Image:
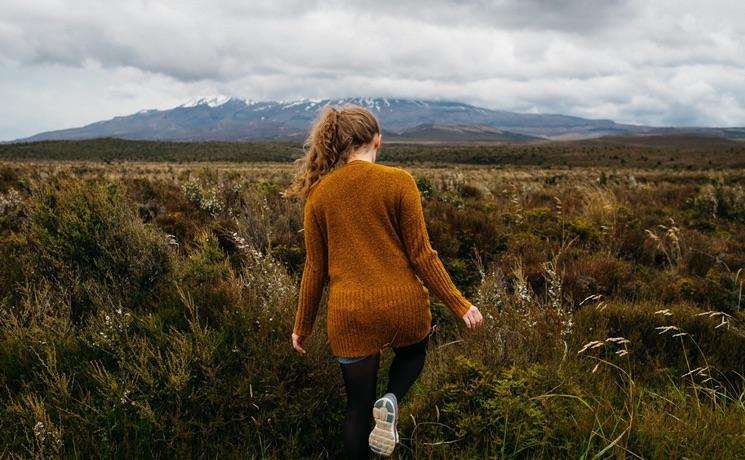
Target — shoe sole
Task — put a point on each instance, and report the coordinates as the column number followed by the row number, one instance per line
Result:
column 383, row 437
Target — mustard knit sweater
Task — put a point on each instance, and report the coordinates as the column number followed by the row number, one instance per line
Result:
column 365, row 234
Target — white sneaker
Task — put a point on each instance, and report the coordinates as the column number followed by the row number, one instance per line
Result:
column 384, row 437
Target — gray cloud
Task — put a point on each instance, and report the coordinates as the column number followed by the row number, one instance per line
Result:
column 663, row 62
column 562, row 15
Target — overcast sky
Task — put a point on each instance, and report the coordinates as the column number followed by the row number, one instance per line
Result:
column 66, row 63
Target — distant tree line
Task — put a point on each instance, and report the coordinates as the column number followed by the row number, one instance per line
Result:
column 682, row 153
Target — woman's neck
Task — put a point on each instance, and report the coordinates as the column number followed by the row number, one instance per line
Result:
column 366, row 155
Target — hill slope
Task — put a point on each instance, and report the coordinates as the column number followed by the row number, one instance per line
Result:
column 235, row 119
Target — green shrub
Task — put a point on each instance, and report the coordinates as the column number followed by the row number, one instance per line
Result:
column 702, row 344
column 478, row 412
column 211, row 371
column 424, row 185
column 180, row 341
column 584, row 230
column 88, row 241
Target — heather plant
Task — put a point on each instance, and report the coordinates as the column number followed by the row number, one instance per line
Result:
column 207, row 200
column 118, row 383
column 9, row 201
column 134, row 322
column 425, row 186
column 504, row 413
column 86, row 240
column 706, row 201
column 717, row 200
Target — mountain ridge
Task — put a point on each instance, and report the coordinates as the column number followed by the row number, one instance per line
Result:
column 220, row 117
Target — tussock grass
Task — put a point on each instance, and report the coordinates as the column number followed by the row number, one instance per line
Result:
column 146, row 309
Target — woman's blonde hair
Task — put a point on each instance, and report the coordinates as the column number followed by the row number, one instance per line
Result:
column 336, row 132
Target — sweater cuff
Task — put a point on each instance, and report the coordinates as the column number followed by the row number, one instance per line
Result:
column 458, row 305
column 303, row 332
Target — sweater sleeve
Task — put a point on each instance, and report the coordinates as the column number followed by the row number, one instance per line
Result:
column 424, row 258
column 315, row 272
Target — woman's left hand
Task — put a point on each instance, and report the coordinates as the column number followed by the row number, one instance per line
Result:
column 297, row 342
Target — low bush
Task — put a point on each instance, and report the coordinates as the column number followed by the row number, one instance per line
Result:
column 480, row 412
column 135, row 322
column 86, row 240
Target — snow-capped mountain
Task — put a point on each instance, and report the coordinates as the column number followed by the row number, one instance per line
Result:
column 220, row 117
column 212, row 101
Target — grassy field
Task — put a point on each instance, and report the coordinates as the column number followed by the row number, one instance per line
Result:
column 671, row 152
column 146, row 309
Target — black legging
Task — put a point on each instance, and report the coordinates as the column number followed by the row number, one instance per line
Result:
column 360, row 380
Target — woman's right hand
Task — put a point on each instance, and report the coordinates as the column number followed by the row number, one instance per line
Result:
column 473, row 317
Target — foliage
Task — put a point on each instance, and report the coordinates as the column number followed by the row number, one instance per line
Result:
column 137, row 319
column 677, row 152
column 88, row 242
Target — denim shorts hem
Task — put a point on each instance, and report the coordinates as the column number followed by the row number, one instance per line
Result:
column 344, row 360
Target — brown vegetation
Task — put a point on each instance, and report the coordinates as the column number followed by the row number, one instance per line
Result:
column 146, row 310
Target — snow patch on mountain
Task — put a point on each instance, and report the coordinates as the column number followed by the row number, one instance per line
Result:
column 211, row 101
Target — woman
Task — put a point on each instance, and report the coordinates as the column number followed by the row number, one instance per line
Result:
column 365, row 234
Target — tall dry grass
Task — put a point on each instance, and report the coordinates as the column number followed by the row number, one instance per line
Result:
column 145, row 311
